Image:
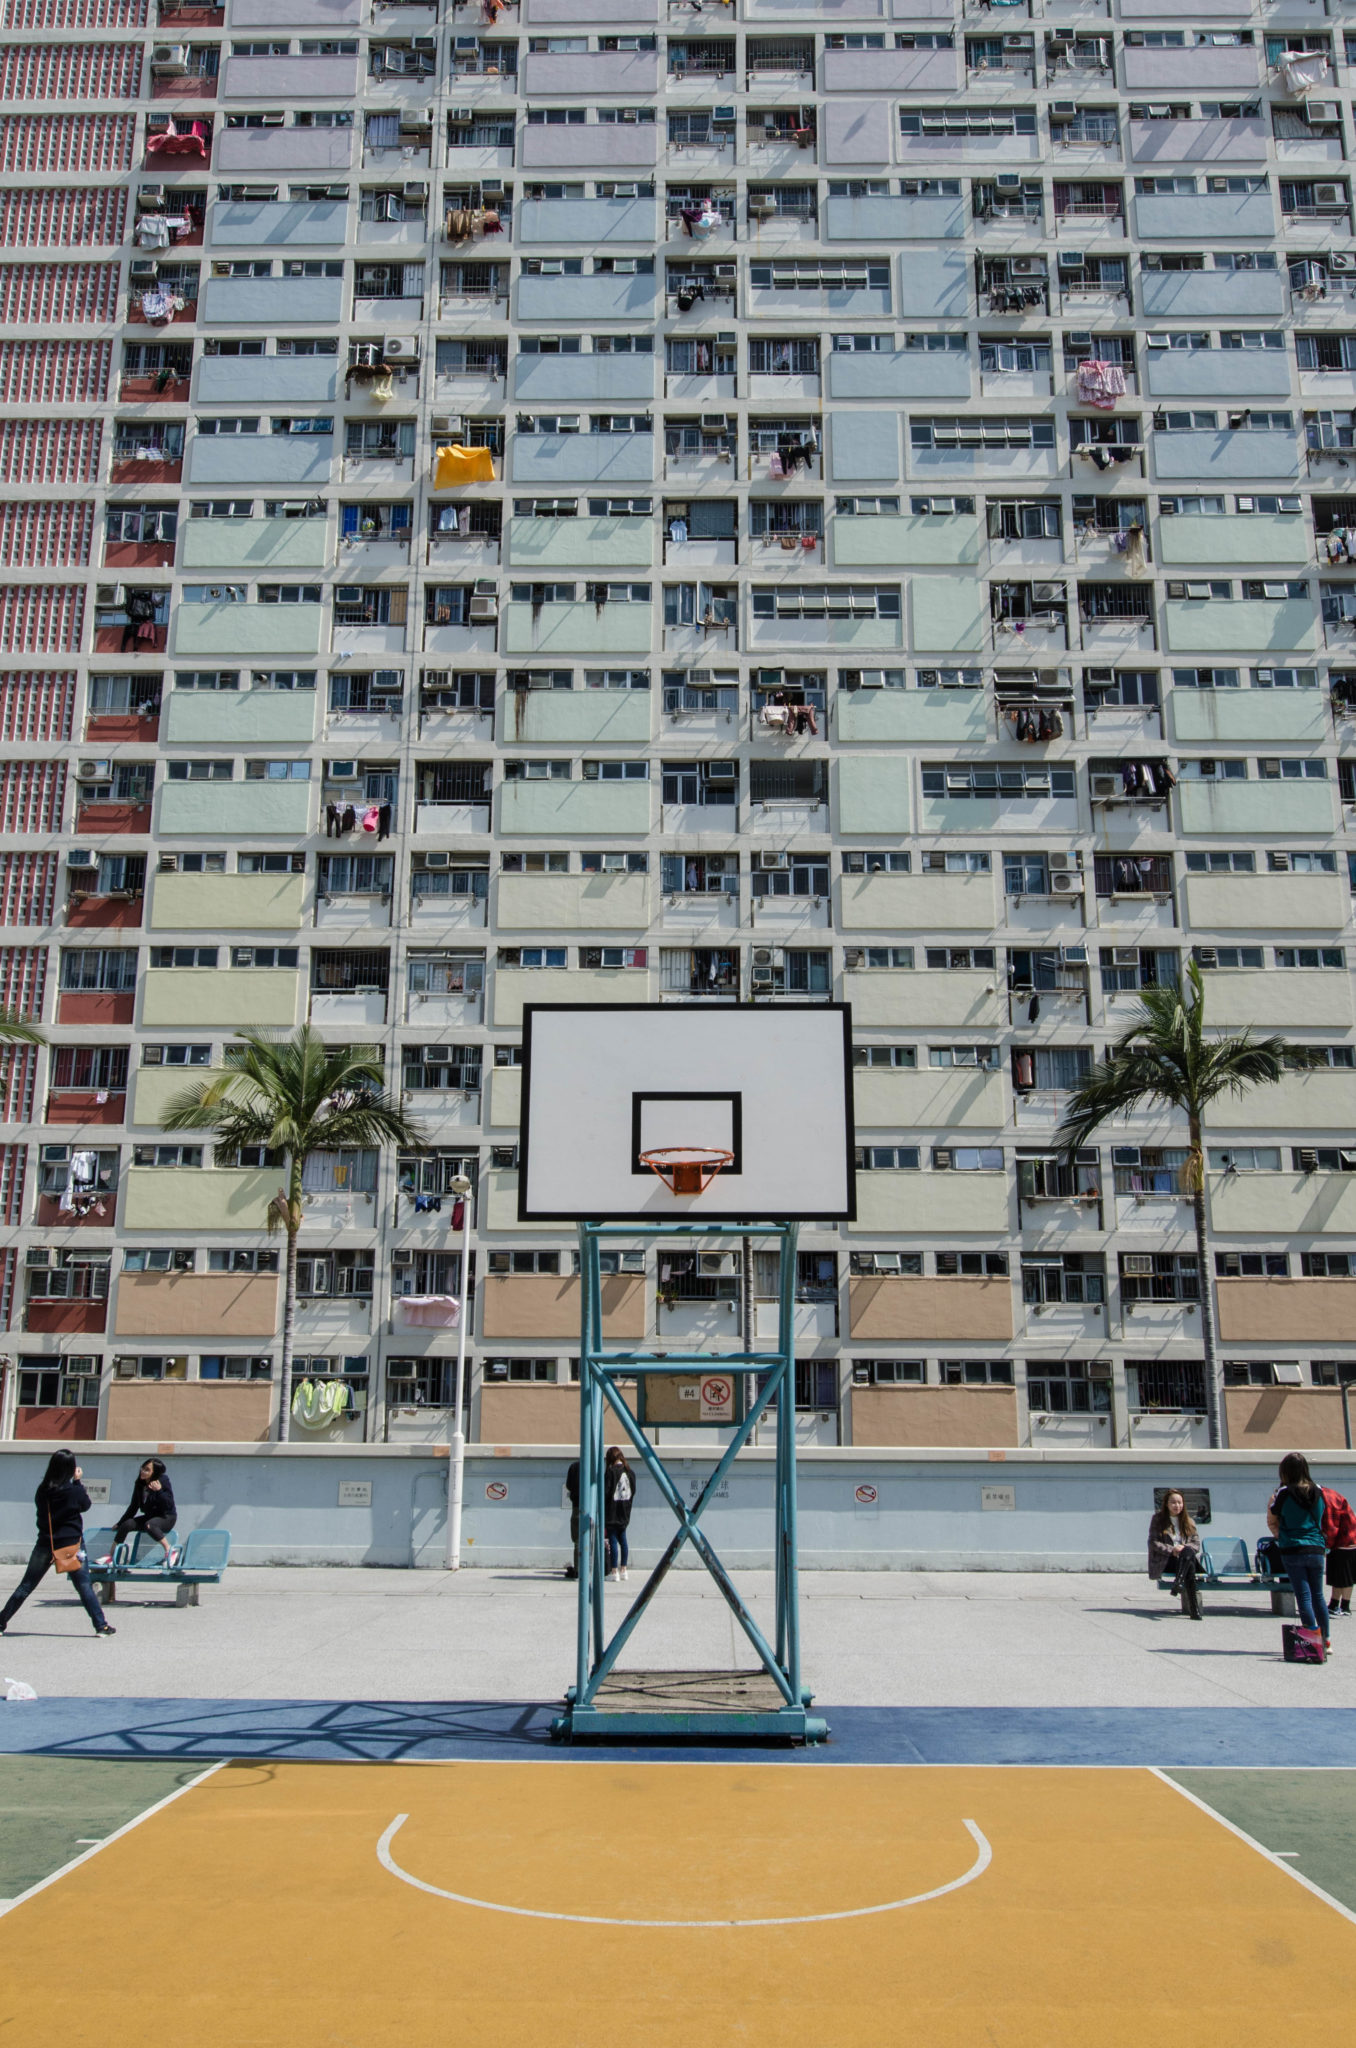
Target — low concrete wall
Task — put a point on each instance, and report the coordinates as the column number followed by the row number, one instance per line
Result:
column 860, row 1510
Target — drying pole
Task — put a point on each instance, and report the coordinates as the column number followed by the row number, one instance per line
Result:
column 456, row 1466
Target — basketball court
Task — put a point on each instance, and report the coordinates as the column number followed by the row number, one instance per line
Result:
column 535, row 1902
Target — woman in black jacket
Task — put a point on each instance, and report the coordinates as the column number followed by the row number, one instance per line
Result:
column 619, row 1494
column 151, row 1509
column 60, row 1501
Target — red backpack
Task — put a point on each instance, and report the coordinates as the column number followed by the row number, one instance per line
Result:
column 1339, row 1521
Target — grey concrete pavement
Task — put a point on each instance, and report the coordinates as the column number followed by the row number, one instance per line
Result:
column 870, row 1639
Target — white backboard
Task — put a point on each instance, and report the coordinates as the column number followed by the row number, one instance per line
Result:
column 771, row 1083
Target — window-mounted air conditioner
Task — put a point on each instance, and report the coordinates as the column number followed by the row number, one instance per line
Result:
column 712, row 1265
column 82, row 857
column 1329, row 195
column 1105, row 785
column 761, row 207
column 1062, row 111
column 1308, row 1160
column 401, row 348
column 437, row 860
column 341, row 771
column 483, row 610
column 1176, row 589
column 713, row 422
column 1065, row 884
column 94, row 771
column 170, row 60
column 1063, row 863
column 1008, row 181
column 1340, row 264
column 720, row 771
column 151, row 197
column 402, row 1256
column 421, row 118
column 447, row 423
column 1047, row 593
column 765, row 860
column 144, row 270
column 942, row 1158
column 1071, row 259
column 485, row 586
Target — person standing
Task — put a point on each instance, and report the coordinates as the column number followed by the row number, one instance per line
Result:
column 1295, row 1519
column 1339, row 1530
column 619, row 1493
column 1174, row 1546
column 572, row 1494
column 151, row 1510
column 60, row 1502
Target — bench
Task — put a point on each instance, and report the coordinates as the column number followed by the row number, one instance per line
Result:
column 1226, row 1567
column 203, row 1557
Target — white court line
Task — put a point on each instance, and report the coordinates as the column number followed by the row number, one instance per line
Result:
column 8, row 1905
column 983, row 1858
column 1273, row 1857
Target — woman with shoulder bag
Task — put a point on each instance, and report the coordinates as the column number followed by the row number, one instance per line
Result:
column 1175, row 1547
column 60, row 1502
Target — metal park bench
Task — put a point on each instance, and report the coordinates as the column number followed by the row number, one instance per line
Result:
column 203, row 1558
column 1226, row 1567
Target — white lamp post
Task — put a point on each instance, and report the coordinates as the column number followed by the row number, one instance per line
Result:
column 456, row 1467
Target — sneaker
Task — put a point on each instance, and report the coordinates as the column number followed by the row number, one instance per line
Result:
column 172, row 1557
column 107, row 1630
column 612, row 1576
column 104, row 1560
column 624, row 1573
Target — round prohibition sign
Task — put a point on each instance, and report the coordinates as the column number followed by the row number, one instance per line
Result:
column 866, row 1495
column 497, row 1489
column 717, row 1393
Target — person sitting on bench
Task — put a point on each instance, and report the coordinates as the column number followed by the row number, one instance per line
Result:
column 151, row 1509
column 1175, row 1547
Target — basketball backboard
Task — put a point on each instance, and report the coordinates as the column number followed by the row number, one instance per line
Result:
column 769, row 1084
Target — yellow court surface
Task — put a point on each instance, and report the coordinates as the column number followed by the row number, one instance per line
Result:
column 266, row 1908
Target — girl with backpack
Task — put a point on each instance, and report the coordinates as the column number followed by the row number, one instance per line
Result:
column 619, row 1493
column 1295, row 1519
column 1339, row 1528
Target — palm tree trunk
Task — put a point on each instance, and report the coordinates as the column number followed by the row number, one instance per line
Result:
column 289, row 1304
column 1212, row 1394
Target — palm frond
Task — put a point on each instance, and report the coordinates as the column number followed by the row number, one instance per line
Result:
column 295, row 1095
column 16, row 1030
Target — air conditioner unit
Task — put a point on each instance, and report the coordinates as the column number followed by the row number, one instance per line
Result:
column 727, row 270
column 761, row 207
column 1008, row 181
column 1024, row 266
column 1071, row 259
column 942, row 1158
column 1322, row 110
column 1329, row 195
column 483, row 610
column 421, row 118
column 1063, row 863
column 485, row 586
column 1176, row 589
column 94, row 771
column 1280, row 862
column 722, row 117
column 402, row 1256
column 763, row 956
column 170, row 60
column 1022, row 43
column 447, row 423
column 720, row 771
column 401, row 348
column 426, row 42
column 713, row 1264
column 852, row 956
column 714, row 422
column 439, row 1055
column 1106, row 785
column 765, row 860
column 1066, row 885
column 151, row 196
column 1340, row 264
column 82, row 857
column 143, row 270
column 437, row 860
column 1308, row 1160
column 1047, row 593
column 366, row 355
column 341, row 771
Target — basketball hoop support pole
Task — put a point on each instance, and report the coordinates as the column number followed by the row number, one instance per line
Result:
column 685, row 1705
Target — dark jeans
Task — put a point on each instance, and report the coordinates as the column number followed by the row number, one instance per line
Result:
column 1305, row 1568
column 157, row 1527
column 37, row 1568
column 1185, row 1568
column 618, row 1553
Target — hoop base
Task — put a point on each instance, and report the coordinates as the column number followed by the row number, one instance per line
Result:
column 687, row 1169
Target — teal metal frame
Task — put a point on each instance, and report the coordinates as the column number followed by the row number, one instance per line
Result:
column 600, row 1370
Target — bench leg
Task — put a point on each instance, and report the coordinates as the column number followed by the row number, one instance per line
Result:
column 183, row 1596
column 107, row 1591
column 1283, row 1600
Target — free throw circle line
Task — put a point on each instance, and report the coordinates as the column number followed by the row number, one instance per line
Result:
column 983, row 1858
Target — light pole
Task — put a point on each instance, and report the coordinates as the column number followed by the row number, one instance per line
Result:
column 456, row 1465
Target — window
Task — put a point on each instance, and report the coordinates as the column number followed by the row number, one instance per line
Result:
column 962, row 1056
column 523, row 1262
column 1245, row 1159
column 967, row 1158
column 888, row 1372
column 971, row 1265
column 532, row 956
column 102, row 1067
column 1210, row 957
column 184, row 956
column 1159, row 1276
column 242, row 1261
column 265, row 956
column 976, row 1372
column 167, row 1155
column 215, row 1365
column 199, row 771
column 335, row 1273
column 870, row 959
column 884, row 1056
column 887, row 1159
column 1252, row 1265
column 516, row 1370
column 277, row 771
column 105, row 969
column 971, row 779
column 1310, row 956
column 890, row 1264
column 877, row 863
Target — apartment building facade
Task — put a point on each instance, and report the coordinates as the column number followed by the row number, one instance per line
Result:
column 771, row 502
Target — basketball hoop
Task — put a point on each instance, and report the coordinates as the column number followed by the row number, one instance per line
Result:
column 687, row 1169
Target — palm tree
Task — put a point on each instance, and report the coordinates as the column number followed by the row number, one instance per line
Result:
column 297, row 1096
column 1165, row 1057
column 16, row 1030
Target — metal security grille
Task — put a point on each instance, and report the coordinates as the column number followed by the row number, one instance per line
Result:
column 18, row 1075
column 54, row 218
column 23, row 979
column 75, row 14
column 54, row 372
column 31, row 796
column 36, row 707
column 70, row 71
column 46, row 535
column 67, row 142
column 50, row 294
column 28, row 888
column 42, row 618
column 13, row 1172
column 49, row 451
